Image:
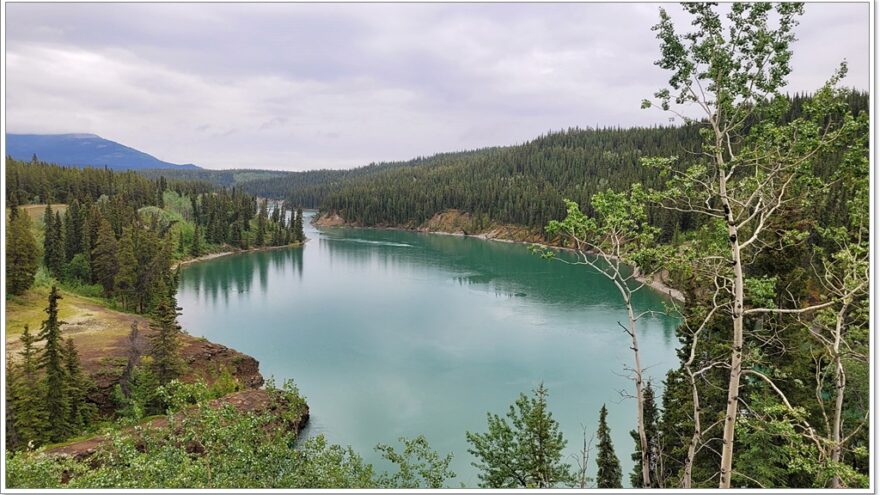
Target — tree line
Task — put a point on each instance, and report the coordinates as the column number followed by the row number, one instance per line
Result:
column 119, row 234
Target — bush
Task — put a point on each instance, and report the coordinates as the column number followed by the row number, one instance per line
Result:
column 78, row 270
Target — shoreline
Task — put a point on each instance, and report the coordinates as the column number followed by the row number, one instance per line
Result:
column 656, row 285
column 212, row 256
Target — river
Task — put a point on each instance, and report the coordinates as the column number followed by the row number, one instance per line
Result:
column 392, row 333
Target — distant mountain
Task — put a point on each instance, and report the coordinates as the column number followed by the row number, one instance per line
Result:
column 82, row 150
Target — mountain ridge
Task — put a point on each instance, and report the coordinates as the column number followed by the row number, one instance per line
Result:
column 84, row 150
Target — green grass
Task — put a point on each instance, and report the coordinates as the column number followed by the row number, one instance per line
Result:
column 30, row 309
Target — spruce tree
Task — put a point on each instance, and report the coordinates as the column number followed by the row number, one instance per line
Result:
column 126, row 281
column 260, row 238
column 55, row 253
column 48, row 233
column 298, row 226
column 652, row 421
column 165, row 343
column 73, row 225
column 53, row 242
column 181, row 244
column 524, row 453
column 21, row 253
column 105, row 261
column 195, row 249
column 52, row 361
column 608, row 475
column 80, row 411
column 13, row 438
column 30, row 418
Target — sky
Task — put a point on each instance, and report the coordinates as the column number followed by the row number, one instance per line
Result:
column 305, row 86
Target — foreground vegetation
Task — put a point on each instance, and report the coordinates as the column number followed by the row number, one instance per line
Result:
column 207, row 447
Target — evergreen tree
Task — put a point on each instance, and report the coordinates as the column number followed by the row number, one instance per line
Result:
column 73, row 226
column 53, row 243
column 13, row 438
column 126, row 281
column 165, row 343
column 105, row 263
column 195, row 249
column 524, row 453
column 48, row 232
column 26, row 396
column 260, row 238
column 52, row 361
column 57, row 260
column 80, row 410
column 608, row 475
column 181, row 244
column 21, row 253
column 298, row 226
column 652, row 420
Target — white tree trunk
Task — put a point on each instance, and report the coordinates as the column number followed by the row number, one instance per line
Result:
column 640, row 397
column 737, row 341
column 840, row 388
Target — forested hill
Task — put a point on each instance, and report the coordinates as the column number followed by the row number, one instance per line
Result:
column 522, row 185
column 312, row 187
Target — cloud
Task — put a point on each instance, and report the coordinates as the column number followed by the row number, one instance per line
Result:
column 301, row 86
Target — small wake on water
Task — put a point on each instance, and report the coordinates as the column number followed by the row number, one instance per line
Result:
column 365, row 241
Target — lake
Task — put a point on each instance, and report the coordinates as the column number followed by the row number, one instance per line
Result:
column 392, row 333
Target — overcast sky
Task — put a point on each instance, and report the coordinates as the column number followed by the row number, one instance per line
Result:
column 297, row 86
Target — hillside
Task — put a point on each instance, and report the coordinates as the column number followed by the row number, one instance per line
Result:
column 80, row 150
column 521, row 185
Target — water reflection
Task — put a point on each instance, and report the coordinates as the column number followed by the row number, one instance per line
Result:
column 503, row 269
column 234, row 274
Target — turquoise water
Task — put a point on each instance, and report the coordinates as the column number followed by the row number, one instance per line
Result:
column 391, row 334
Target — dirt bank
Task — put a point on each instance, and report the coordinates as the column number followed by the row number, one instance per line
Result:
column 101, row 338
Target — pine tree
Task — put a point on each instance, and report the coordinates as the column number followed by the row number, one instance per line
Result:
column 105, row 261
column 652, row 420
column 21, row 253
column 608, row 475
column 52, row 361
column 165, row 344
column 30, row 418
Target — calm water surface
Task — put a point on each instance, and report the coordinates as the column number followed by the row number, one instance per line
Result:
column 392, row 334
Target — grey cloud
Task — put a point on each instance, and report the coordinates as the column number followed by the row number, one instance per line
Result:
column 338, row 85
